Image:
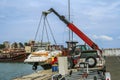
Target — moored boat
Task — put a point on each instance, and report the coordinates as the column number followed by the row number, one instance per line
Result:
column 13, row 56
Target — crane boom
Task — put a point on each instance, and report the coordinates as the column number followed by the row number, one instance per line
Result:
column 77, row 31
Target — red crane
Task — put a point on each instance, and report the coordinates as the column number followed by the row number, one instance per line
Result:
column 77, row 31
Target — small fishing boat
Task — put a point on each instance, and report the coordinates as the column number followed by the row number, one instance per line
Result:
column 13, row 56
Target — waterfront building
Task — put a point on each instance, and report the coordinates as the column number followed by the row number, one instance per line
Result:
column 28, row 49
column 7, row 44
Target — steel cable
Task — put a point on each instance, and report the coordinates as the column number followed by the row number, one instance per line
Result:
column 51, row 31
column 38, row 27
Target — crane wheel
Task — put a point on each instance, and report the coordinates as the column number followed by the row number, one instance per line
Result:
column 91, row 61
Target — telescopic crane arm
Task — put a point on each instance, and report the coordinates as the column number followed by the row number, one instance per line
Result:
column 74, row 29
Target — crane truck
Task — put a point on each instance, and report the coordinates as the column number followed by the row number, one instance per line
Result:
column 94, row 56
column 77, row 31
column 77, row 54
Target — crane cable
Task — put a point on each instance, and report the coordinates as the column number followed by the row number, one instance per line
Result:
column 45, row 23
column 51, row 31
column 42, row 34
column 44, row 27
column 38, row 28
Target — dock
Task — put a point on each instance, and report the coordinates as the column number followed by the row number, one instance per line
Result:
column 39, row 75
column 112, row 65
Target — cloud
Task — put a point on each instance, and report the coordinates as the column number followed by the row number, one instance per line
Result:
column 103, row 37
column 103, row 10
column 18, row 17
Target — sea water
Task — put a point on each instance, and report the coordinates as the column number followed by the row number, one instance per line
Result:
column 9, row 71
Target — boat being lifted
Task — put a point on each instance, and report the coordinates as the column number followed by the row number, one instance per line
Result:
column 43, row 56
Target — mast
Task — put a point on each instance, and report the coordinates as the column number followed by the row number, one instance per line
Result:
column 69, row 18
column 70, row 43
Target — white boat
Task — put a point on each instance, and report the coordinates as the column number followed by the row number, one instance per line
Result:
column 42, row 55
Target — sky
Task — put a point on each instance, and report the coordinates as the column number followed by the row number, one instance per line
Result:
column 98, row 19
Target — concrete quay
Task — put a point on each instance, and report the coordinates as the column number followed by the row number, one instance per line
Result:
column 39, row 75
column 112, row 65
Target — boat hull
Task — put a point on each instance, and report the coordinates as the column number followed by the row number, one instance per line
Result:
column 16, row 58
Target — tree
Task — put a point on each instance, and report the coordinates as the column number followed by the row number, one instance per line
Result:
column 2, row 46
column 15, row 45
column 21, row 45
column 26, row 44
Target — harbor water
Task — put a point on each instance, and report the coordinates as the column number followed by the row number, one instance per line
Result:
column 9, row 71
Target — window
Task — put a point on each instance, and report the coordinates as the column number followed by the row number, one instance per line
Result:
column 85, row 55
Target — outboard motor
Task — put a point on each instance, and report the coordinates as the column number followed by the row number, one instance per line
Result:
column 34, row 67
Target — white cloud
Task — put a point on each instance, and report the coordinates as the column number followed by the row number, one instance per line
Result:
column 103, row 10
column 91, row 16
column 103, row 37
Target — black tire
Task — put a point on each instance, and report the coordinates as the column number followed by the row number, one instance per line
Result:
column 93, row 64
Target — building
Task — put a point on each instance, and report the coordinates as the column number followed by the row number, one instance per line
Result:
column 28, row 49
column 39, row 44
column 111, row 52
column 32, row 48
column 7, row 44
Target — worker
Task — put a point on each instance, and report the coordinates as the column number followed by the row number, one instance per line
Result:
column 54, row 64
column 54, row 60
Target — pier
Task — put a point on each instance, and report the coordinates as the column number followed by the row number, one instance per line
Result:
column 112, row 65
column 40, row 75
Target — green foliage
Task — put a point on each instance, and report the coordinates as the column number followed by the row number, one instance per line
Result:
column 21, row 45
column 25, row 43
column 15, row 45
column 2, row 46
